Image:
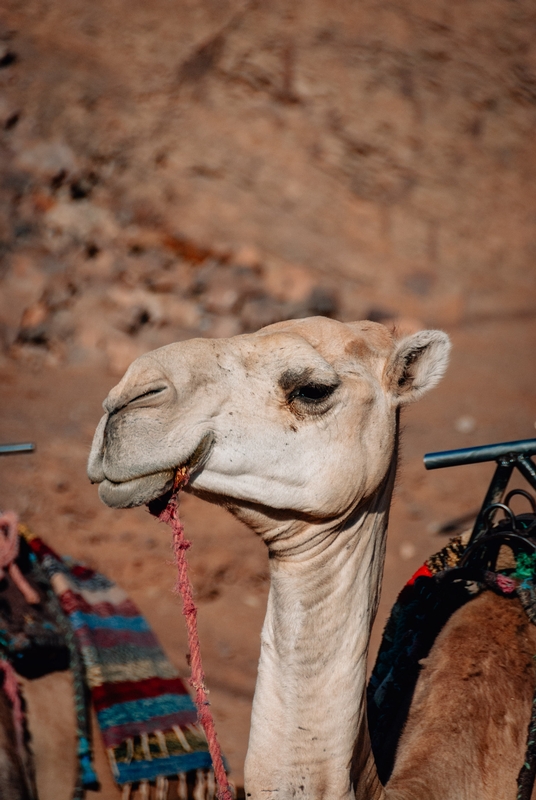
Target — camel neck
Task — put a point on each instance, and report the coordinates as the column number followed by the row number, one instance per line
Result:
column 309, row 735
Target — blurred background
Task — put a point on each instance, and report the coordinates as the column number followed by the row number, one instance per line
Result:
column 197, row 168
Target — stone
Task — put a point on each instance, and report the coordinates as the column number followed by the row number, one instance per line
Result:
column 288, row 282
column 46, row 159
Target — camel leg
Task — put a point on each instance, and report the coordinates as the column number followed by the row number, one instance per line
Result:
column 108, row 789
column 51, row 721
column 16, row 778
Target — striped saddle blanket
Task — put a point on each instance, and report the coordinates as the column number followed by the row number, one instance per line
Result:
column 147, row 719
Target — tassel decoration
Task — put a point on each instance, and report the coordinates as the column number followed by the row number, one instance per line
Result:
column 182, row 787
column 161, row 788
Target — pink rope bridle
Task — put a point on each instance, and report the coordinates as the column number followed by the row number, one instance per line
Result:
column 183, row 587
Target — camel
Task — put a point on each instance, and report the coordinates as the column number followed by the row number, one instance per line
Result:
column 295, row 430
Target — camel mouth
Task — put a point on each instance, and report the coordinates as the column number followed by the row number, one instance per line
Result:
column 145, row 489
column 136, row 492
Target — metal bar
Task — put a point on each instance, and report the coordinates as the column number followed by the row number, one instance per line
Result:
column 475, row 455
column 496, row 489
column 527, row 468
column 14, row 449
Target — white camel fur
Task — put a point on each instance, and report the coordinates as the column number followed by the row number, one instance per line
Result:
column 294, row 429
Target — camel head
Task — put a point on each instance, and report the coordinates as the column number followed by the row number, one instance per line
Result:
column 296, row 420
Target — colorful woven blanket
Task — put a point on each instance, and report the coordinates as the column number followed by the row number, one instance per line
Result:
column 147, row 718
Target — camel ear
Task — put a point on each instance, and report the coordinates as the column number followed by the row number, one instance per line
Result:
column 417, row 364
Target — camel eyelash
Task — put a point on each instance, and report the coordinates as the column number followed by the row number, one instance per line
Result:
column 312, row 393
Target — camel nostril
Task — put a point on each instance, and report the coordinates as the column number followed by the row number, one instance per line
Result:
column 146, row 397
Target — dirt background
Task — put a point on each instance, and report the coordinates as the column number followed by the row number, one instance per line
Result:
column 198, row 168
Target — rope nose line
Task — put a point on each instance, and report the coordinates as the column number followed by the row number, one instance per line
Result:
column 170, row 516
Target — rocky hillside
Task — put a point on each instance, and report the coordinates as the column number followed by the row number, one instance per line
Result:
column 186, row 168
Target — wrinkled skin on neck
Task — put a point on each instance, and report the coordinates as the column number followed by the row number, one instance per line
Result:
column 294, row 430
column 312, row 671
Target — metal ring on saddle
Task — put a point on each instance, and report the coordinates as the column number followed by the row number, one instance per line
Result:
column 523, row 493
column 490, row 510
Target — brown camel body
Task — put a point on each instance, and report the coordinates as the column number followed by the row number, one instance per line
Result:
column 466, row 734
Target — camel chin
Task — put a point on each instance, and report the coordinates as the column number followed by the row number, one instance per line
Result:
column 136, row 492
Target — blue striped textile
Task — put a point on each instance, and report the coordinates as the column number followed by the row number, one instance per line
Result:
column 79, row 619
column 170, row 766
column 143, row 709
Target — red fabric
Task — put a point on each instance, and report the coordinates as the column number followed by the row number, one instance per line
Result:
column 423, row 571
column 82, row 572
column 132, row 690
column 114, row 638
column 40, row 548
column 72, row 601
column 115, row 736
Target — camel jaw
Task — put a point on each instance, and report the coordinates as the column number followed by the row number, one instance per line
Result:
column 144, row 489
column 137, row 491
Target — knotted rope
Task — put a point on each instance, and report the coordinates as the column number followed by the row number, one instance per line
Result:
column 9, row 550
column 184, row 587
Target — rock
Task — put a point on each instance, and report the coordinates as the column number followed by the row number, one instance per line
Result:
column 34, row 315
column 62, row 325
column 47, row 159
column 121, row 351
column 288, row 282
column 33, row 327
column 22, row 287
column 260, row 312
column 9, row 113
column 79, row 221
column 136, row 307
column 323, row 302
column 176, row 311
column 222, row 295
column 225, row 327
column 247, row 256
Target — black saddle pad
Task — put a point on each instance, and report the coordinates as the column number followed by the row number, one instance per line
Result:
column 32, row 637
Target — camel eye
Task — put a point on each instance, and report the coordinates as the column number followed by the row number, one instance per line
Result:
column 312, row 393
column 146, row 395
